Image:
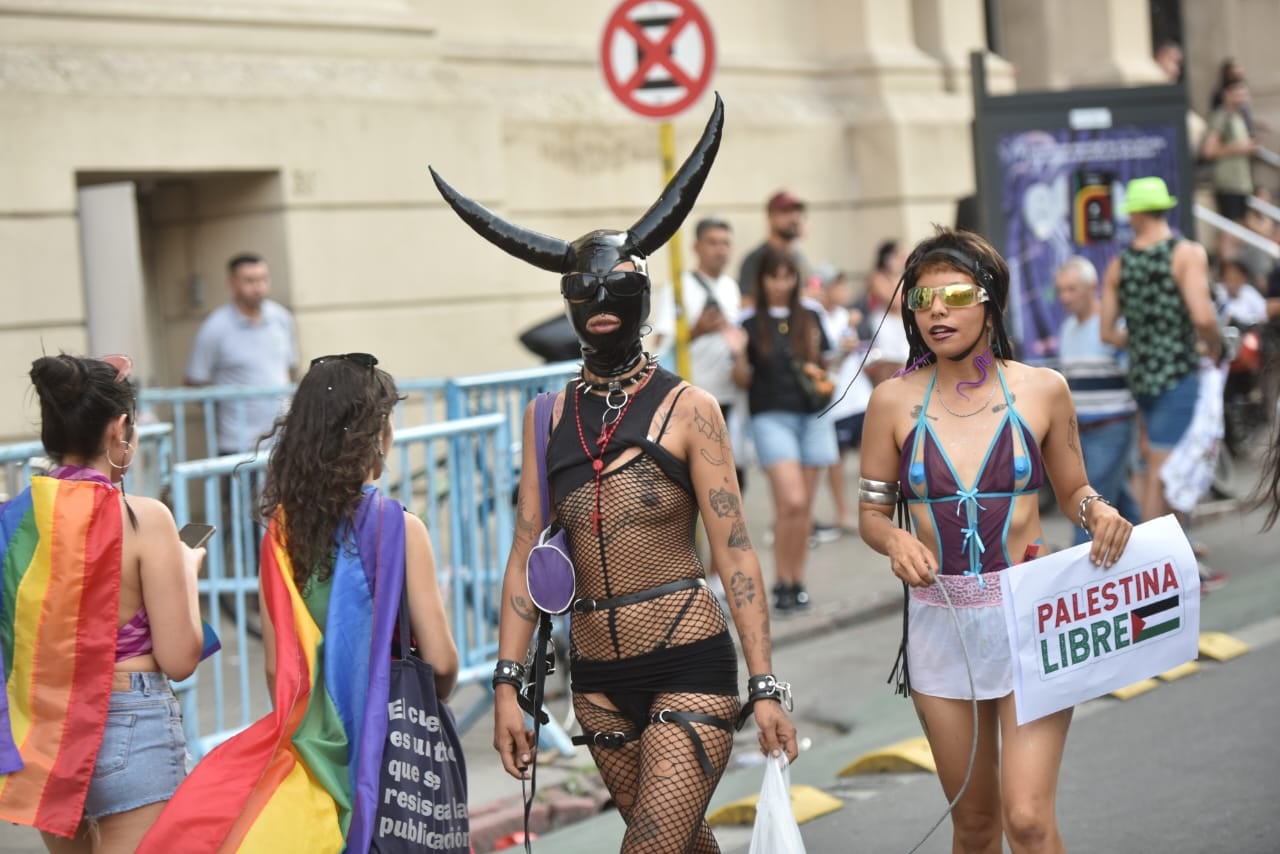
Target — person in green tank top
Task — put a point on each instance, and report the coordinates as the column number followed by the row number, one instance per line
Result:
column 1159, row 284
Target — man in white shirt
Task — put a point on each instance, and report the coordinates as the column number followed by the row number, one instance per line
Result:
column 712, row 303
column 249, row 341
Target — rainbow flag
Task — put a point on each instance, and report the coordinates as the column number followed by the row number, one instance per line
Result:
column 58, row 635
column 305, row 777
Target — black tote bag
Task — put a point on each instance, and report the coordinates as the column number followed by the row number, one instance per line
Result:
column 422, row 785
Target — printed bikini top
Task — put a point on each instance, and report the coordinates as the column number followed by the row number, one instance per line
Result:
column 971, row 523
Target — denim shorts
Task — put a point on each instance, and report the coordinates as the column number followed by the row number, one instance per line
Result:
column 794, row 436
column 1167, row 415
column 143, row 756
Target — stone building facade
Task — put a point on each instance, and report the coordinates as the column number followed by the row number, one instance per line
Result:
column 143, row 142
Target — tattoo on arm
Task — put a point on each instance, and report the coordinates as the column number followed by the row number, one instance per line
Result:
column 1073, row 436
column 1013, row 398
column 919, row 408
column 738, row 536
column 526, row 524
column 725, row 504
column 715, row 461
column 523, row 609
column 742, row 588
column 708, row 428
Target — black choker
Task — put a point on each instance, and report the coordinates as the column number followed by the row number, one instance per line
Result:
column 584, row 384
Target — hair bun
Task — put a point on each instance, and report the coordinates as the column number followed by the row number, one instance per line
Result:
column 59, row 379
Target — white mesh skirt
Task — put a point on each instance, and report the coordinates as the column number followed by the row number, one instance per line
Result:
column 937, row 665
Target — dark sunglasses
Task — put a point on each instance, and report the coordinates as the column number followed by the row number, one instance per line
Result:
column 364, row 360
column 619, row 283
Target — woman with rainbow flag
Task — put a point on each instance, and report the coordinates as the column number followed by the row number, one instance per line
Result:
column 336, row 558
column 96, row 616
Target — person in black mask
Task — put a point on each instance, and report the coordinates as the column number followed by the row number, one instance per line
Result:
column 634, row 455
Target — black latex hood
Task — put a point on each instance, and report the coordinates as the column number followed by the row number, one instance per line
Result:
column 601, row 250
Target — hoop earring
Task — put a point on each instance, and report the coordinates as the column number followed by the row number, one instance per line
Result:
column 113, row 463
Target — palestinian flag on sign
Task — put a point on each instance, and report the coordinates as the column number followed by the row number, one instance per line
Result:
column 1156, row 618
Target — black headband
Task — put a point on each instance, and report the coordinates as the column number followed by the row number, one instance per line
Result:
column 981, row 275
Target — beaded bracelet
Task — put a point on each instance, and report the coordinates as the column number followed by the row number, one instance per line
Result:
column 1084, row 502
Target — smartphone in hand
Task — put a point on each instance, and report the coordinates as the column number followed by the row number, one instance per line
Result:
column 196, row 534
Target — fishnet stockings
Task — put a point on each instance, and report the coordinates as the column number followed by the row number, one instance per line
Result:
column 657, row 782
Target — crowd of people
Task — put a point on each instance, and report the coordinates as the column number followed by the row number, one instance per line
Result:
column 915, row 370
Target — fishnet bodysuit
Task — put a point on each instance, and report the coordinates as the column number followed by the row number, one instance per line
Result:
column 672, row 652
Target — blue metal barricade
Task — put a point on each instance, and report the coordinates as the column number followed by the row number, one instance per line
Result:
column 148, row 476
column 194, row 411
column 464, row 503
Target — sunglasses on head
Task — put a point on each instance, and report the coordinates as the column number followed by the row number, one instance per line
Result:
column 364, row 360
column 955, row 295
column 619, row 283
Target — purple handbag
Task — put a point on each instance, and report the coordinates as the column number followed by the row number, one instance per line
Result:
column 548, row 570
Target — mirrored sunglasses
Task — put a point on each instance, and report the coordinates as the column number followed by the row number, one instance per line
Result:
column 619, row 283
column 364, row 360
column 955, row 295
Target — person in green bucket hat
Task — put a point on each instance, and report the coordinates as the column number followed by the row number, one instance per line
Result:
column 1144, row 195
column 1159, row 284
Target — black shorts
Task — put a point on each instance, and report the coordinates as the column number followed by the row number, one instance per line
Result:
column 1231, row 205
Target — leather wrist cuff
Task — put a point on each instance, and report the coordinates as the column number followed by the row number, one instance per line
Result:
column 508, row 672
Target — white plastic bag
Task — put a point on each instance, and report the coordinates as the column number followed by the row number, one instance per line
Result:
column 776, row 831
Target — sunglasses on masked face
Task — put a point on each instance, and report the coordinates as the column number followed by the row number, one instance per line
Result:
column 364, row 360
column 619, row 283
column 955, row 295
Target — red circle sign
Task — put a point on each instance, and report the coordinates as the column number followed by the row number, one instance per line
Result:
column 657, row 55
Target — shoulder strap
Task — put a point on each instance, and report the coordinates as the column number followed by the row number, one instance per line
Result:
column 543, row 406
column 706, row 286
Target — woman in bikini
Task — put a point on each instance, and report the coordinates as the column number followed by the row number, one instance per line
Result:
column 966, row 438
column 634, row 456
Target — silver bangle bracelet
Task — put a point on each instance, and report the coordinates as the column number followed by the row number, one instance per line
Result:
column 878, row 491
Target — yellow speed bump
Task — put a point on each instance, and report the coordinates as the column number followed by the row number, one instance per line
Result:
column 1221, row 646
column 1128, row 692
column 806, row 802
column 900, row 758
column 1185, row 669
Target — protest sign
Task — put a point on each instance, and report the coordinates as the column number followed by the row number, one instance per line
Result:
column 1079, row 631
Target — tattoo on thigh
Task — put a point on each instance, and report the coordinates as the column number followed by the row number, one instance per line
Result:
column 738, row 536
column 924, row 724
column 645, row 828
column 523, row 609
column 743, row 589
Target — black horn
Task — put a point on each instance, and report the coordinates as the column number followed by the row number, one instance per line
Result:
column 540, row 250
column 662, row 220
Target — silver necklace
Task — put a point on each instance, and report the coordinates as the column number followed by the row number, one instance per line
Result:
column 990, row 395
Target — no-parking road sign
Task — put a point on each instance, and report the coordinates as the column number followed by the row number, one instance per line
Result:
column 657, row 55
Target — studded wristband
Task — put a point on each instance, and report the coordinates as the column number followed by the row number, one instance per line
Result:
column 508, row 672
column 765, row 687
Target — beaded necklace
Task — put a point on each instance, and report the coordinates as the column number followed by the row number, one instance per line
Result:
column 609, row 428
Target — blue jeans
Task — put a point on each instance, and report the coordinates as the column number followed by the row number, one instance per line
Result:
column 1107, row 449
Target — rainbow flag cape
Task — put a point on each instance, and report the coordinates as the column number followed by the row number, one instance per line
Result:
column 305, row 777
column 58, row 635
